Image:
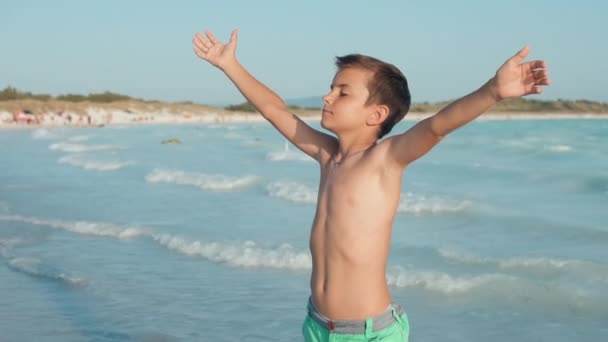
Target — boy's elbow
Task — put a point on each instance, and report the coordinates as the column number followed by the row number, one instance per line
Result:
column 435, row 128
column 440, row 135
column 435, row 138
column 273, row 109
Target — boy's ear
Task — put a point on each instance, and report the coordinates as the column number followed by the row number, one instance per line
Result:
column 379, row 114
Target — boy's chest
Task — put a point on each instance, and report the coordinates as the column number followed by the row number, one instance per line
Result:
column 349, row 184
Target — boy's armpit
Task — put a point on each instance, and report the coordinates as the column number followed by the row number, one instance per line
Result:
column 412, row 144
column 314, row 143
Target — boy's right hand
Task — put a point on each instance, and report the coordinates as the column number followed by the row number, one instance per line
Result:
column 214, row 51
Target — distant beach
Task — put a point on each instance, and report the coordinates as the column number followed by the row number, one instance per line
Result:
column 33, row 113
column 22, row 109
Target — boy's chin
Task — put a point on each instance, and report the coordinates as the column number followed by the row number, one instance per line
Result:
column 326, row 126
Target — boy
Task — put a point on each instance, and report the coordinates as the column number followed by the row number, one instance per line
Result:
column 360, row 178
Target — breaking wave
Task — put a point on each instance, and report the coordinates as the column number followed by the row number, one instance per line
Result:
column 201, row 180
column 92, row 164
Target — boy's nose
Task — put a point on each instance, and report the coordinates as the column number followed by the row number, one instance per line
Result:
column 327, row 99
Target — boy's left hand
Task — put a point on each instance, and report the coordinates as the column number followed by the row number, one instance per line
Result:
column 514, row 78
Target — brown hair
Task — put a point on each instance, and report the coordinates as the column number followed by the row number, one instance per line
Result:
column 387, row 86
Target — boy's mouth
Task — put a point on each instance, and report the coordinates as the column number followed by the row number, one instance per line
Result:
column 325, row 111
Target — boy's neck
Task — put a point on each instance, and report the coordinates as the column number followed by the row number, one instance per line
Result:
column 350, row 144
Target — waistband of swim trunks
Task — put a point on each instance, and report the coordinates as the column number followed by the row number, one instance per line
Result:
column 379, row 322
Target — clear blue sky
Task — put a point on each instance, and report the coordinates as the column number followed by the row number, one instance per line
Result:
column 445, row 48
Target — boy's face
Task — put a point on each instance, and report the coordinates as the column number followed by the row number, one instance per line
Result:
column 344, row 106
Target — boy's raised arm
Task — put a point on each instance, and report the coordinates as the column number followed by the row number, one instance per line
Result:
column 513, row 79
column 223, row 56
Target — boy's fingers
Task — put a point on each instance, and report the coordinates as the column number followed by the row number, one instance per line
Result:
column 540, row 74
column 199, row 37
column 544, row 81
column 200, row 45
column 200, row 53
column 211, row 37
column 234, row 36
column 538, row 65
column 520, row 55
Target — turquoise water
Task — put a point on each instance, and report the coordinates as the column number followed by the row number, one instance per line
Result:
column 109, row 235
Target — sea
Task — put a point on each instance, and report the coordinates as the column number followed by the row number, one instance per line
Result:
column 109, row 234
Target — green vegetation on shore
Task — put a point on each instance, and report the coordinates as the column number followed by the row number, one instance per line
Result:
column 12, row 99
column 507, row 106
column 10, row 93
column 248, row 107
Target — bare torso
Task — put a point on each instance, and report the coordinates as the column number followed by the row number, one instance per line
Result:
column 350, row 236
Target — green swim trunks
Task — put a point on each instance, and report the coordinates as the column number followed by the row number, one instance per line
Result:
column 390, row 326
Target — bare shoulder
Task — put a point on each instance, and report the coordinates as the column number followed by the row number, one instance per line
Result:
column 326, row 154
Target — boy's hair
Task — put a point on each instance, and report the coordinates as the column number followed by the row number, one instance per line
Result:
column 387, row 86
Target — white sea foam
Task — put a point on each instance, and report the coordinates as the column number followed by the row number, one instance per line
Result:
column 92, row 164
column 79, row 138
column 6, row 245
column 416, row 204
column 11, row 242
column 526, row 142
column 562, row 293
column 246, row 254
column 570, row 296
column 442, row 282
column 288, row 155
column 36, row 268
column 534, row 143
column 81, row 227
column 67, row 147
column 535, row 265
column 559, row 148
column 292, row 191
column 42, row 134
column 201, row 180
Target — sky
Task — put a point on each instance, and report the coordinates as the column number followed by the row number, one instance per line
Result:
column 445, row 48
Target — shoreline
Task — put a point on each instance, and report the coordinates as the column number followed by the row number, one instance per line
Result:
column 101, row 118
